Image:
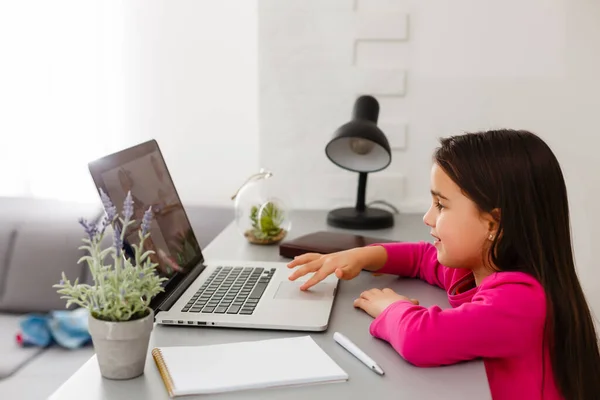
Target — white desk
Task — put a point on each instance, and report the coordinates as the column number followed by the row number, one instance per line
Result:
column 401, row 380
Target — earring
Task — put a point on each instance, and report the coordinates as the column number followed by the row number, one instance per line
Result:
column 491, row 237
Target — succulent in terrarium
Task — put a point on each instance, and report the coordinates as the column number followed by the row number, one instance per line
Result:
column 261, row 212
column 266, row 223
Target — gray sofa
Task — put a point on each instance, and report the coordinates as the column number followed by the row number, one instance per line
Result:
column 38, row 240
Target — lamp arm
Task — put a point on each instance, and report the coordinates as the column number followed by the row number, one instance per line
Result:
column 361, row 193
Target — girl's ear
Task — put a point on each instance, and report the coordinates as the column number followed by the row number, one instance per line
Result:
column 495, row 213
column 492, row 220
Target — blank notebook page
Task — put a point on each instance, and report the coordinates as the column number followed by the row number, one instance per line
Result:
column 248, row 365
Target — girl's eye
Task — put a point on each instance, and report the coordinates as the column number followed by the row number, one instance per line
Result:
column 439, row 206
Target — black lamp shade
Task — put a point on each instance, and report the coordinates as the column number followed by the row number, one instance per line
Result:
column 359, row 146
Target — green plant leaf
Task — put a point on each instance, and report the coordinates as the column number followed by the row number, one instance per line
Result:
column 268, row 223
column 117, row 294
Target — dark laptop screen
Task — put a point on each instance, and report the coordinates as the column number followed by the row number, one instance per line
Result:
column 142, row 170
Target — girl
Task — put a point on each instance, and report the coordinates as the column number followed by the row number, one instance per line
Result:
column 502, row 250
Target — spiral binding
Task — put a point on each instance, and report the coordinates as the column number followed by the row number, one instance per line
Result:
column 164, row 371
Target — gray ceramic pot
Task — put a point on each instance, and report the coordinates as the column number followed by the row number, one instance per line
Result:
column 121, row 347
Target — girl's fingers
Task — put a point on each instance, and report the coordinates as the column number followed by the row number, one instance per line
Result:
column 303, row 259
column 305, row 269
column 316, row 278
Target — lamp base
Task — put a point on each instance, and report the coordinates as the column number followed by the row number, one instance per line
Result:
column 351, row 218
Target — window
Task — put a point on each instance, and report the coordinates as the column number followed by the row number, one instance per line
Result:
column 57, row 74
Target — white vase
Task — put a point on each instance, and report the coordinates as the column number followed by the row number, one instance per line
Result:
column 121, row 347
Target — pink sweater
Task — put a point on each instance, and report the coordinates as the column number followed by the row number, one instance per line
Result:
column 501, row 321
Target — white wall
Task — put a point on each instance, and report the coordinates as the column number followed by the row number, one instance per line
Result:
column 191, row 76
column 57, row 95
column 439, row 68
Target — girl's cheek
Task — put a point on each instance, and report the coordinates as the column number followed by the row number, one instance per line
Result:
column 440, row 224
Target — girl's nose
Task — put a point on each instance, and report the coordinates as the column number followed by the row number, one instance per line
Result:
column 428, row 218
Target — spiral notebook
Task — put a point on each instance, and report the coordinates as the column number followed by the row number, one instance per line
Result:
column 193, row 370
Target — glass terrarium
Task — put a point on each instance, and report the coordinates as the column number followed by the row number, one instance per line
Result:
column 261, row 214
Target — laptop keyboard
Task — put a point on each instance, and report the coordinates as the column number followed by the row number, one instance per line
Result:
column 231, row 290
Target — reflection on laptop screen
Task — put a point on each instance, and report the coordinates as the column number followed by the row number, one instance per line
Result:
column 171, row 238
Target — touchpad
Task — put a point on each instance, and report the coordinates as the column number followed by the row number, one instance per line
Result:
column 291, row 291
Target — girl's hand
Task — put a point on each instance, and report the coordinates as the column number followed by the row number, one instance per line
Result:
column 345, row 264
column 374, row 301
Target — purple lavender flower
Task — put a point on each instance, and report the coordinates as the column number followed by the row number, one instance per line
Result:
column 122, row 293
column 90, row 228
column 128, row 207
column 141, row 275
column 104, row 224
column 111, row 210
column 146, row 221
column 118, row 243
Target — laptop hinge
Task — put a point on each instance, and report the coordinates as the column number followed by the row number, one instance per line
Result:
column 170, row 299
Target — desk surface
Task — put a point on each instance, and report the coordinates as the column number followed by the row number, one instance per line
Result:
column 401, row 379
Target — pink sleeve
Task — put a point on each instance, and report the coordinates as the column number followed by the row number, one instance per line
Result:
column 499, row 322
column 415, row 260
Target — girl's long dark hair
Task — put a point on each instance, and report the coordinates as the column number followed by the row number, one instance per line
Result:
column 518, row 174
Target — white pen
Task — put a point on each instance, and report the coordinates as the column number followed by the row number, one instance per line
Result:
column 356, row 352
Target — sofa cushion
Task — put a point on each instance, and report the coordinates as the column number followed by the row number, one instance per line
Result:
column 43, row 240
column 41, row 252
column 13, row 356
column 7, row 236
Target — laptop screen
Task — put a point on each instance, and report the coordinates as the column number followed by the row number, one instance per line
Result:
column 142, row 171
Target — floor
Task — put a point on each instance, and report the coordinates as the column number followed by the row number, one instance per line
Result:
column 42, row 376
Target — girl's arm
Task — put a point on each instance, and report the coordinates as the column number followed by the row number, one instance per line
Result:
column 503, row 319
column 415, row 260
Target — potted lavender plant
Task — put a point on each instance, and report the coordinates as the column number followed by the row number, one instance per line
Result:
column 120, row 318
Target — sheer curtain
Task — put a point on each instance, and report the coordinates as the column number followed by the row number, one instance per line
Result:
column 61, row 94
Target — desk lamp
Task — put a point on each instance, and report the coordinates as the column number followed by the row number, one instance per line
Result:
column 360, row 146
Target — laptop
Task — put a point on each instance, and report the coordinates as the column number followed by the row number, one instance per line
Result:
column 199, row 291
